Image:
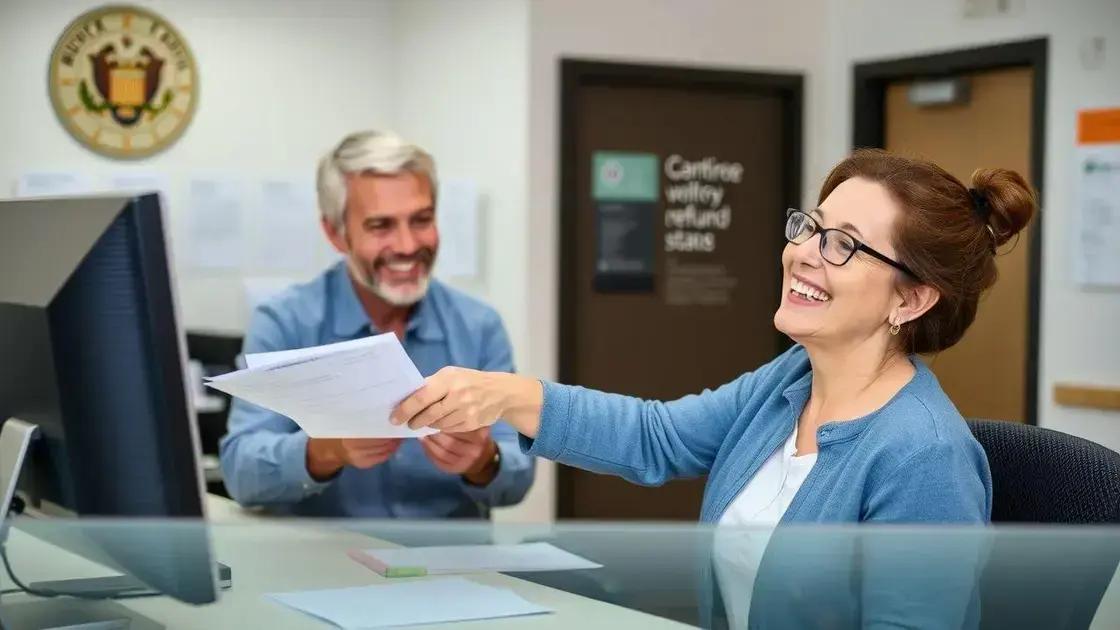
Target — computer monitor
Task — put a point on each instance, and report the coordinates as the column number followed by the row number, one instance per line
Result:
column 92, row 355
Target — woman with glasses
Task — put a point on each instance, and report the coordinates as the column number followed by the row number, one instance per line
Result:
column 846, row 426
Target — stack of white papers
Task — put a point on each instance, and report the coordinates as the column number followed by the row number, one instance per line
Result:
column 411, row 561
column 341, row 390
column 440, row 600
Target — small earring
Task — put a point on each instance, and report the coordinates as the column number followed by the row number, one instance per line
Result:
column 895, row 328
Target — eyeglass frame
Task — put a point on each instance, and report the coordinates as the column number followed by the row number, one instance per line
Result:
column 860, row 246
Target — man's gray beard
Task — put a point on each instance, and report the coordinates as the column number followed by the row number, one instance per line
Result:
column 396, row 297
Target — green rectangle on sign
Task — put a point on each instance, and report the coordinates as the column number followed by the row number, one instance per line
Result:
column 620, row 176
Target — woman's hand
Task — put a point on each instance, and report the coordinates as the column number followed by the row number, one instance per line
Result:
column 458, row 399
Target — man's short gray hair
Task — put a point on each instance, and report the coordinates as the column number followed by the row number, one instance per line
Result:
column 366, row 152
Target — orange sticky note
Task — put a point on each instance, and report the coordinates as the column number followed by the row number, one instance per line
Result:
column 1098, row 126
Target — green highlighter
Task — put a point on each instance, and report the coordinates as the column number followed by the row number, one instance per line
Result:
column 374, row 563
column 405, row 572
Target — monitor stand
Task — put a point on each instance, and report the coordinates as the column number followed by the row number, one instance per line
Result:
column 16, row 437
column 15, row 440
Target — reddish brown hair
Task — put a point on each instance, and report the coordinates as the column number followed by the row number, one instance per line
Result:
column 947, row 233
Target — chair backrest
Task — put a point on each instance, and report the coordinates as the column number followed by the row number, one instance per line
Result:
column 1034, row 580
column 1044, row 476
column 218, row 354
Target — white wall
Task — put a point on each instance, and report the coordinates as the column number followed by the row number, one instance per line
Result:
column 1080, row 342
column 281, row 80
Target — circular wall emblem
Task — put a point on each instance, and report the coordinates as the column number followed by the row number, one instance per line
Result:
column 123, row 81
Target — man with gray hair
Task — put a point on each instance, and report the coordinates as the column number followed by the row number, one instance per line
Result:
column 377, row 203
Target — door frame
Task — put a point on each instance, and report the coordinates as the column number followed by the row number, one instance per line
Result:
column 869, row 87
column 576, row 73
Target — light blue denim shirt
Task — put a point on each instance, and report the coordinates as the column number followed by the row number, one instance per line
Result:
column 264, row 454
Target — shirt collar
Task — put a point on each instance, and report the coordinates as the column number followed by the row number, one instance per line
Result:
column 349, row 318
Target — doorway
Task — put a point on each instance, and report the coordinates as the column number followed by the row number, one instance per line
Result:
column 969, row 109
column 674, row 186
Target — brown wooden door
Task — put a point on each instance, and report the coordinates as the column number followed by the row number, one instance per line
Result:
column 986, row 373
column 698, row 318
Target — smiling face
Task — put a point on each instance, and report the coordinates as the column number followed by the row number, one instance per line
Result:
column 827, row 305
column 390, row 240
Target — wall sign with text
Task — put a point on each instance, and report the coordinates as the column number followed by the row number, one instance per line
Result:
column 692, row 208
column 625, row 189
column 697, row 218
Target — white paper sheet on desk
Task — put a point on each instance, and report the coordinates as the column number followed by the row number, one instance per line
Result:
column 343, row 390
column 539, row 556
column 442, row 600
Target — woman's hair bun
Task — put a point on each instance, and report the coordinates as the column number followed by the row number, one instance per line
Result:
column 1010, row 200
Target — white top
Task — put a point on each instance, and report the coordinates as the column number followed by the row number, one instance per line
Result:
column 751, row 516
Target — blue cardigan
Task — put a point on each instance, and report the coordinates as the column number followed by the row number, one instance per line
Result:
column 912, row 461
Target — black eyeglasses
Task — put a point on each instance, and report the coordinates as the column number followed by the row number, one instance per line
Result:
column 837, row 246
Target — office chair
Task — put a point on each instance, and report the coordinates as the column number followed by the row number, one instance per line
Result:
column 1048, row 578
column 1044, row 476
column 218, row 354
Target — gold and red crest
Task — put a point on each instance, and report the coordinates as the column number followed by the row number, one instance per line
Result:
column 123, row 81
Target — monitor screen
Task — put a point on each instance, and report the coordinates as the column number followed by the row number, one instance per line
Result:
column 94, row 358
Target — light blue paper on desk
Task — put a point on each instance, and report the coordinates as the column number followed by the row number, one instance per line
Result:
column 440, row 600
